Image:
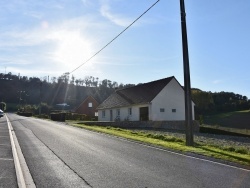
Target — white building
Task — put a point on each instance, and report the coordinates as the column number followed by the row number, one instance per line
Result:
column 160, row 100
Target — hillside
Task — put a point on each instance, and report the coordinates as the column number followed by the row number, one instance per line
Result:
column 17, row 91
column 237, row 119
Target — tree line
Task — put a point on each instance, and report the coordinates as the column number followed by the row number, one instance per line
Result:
column 23, row 90
column 218, row 102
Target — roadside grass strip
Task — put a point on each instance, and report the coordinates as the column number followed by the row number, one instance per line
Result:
column 237, row 155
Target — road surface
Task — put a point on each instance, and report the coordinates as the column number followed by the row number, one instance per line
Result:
column 59, row 155
column 7, row 168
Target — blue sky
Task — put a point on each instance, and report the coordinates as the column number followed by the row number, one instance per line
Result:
column 51, row 37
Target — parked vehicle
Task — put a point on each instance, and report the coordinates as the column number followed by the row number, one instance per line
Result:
column 1, row 113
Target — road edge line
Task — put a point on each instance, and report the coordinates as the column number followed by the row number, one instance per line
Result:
column 188, row 155
column 24, row 178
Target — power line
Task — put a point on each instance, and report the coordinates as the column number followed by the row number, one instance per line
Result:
column 115, row 37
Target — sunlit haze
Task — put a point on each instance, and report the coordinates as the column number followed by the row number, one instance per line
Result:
column 49, row 38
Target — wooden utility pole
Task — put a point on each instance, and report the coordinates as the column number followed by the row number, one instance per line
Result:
column 187, row 85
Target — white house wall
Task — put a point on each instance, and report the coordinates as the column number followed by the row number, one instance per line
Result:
column 171, row 101
column 135, row 116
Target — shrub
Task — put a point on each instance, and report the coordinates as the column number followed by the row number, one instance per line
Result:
column 241, row 150
column 58, row 116
column 164, row 138
column 75, row 116
column 43, row 116
column 26, row 114
column 230, row 148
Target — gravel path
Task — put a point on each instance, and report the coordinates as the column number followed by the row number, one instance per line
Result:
column 220, row 140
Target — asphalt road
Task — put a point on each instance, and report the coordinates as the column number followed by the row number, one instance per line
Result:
column 59, row 155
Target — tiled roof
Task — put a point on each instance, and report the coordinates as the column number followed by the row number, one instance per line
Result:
column 139, row 94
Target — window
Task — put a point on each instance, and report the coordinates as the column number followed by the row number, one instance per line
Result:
column 162, row 110
column 118, row 112
column 130, row 111
column 173, row 110
column 103, row 113
column 90, row 105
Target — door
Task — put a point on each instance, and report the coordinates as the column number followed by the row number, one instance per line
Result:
column 111, row 115
column 144, row 114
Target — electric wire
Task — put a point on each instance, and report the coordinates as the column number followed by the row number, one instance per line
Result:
column 115, row 37
column 36, row 83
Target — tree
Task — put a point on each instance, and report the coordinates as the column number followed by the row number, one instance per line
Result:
column 72, row 81
column 53, row 80
column 64, row 78
column 3, row 106
column 204, row 102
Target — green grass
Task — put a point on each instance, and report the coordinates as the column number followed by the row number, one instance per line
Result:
column 238, row 121
column 237, row 155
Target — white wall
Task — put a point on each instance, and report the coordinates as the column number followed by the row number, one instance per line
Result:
column 135, row 116
column 171, row 97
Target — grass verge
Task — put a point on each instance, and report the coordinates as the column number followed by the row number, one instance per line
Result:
column 230, row 154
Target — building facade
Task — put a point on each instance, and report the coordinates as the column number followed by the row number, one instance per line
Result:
column 160, row 100
column 88, row 107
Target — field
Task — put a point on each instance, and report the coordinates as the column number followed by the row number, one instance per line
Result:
column 238, row 121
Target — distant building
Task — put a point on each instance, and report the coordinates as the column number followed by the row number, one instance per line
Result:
column 63, row 106
column 160, row 100
column 88, row 107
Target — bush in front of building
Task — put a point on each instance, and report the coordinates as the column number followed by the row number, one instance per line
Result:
column 61, row 116
column 79, row 117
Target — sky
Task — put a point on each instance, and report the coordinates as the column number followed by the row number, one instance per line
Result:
column 51, row 37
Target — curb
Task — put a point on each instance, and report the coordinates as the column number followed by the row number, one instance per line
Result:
column 24, row 178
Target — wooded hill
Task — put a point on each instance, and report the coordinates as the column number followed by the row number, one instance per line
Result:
column 23, row 90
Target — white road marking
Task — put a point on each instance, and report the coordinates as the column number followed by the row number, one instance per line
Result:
column 168, row 151
column 24, row 178
column 6, row 159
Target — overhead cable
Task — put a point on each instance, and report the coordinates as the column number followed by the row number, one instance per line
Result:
column 115, row 37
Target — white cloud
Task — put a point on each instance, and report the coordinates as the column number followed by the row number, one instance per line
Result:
column 64, row 45
column 8, row 61
column 18, row 37
column 34, row 14
column 87, row 2
column 117, row 19
column 217, row 81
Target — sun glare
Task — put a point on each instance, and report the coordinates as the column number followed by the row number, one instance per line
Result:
column 72, row 49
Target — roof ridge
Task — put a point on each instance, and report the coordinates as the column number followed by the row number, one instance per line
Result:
column 145, row 83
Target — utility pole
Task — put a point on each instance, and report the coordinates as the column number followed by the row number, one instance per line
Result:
column 187, row 85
